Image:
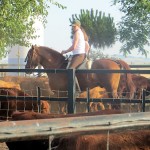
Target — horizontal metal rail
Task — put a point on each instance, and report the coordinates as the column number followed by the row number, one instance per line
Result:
column 77, row 71
column 139, row 66
column 43, row 128
column 132, row 66
column 65, row 99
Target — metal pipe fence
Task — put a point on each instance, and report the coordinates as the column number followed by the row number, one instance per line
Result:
column 71, row 99
column 39, row 129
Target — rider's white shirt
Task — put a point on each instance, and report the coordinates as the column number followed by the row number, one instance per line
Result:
column 80, row 49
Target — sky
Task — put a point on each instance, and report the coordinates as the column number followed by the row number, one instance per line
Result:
column 57, row 31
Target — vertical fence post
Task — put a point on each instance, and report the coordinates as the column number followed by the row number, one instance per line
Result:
column 71, row 91
column 51, row 137
column 143, row 100
column 39, row 99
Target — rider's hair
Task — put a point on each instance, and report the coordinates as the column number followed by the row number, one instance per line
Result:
column 86, row 38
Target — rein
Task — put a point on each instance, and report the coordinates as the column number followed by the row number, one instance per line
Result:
column 30, row 57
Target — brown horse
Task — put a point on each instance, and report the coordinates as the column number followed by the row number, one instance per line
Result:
column 51, row 59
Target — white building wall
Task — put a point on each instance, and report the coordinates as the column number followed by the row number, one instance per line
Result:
column 18, row 53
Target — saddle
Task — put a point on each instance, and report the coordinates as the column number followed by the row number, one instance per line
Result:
column 86, row 64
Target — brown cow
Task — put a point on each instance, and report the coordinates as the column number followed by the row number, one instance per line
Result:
column 140, row 83
column 44, row 144
column 131, row 140
column 8, row 106
column 4, row 84
column 28, row 115
column 96, row 92
column 126, row 140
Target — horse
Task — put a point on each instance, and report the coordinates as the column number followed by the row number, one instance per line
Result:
column 52, row 59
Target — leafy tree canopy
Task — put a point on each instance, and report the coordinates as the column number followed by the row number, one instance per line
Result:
column 99, row 27
column 17, row 18
column 134, row 29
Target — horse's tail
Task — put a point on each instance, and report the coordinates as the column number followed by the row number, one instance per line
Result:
column 130, row 85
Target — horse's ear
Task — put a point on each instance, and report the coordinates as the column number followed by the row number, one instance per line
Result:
column 32, row 46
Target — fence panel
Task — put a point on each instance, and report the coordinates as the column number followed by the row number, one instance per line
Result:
column 43, row 128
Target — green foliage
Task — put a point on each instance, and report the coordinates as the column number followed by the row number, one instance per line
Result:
column 97, row 54
column 134, row 29
column 17, row 18
column 99, row 27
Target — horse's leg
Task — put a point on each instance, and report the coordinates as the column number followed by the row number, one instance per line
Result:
column 113, row 88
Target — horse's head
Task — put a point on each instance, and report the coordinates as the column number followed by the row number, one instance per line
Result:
column 46, row 57
column 32, row 59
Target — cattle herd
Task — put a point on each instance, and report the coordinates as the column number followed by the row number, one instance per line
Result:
column 15, row 109
column 125, row 140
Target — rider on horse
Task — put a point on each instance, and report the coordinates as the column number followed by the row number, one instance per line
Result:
column 79, row 45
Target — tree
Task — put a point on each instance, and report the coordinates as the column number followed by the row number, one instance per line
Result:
column 17, row 18
column 134, row 29
column 100, row 28
column 97, row 54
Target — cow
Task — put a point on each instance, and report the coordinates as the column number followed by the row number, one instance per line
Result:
column 96, row 92
column 44, row 144
column 4, row 84
column 8, row 106
column 101, row 141
column 114, row 141
column 140, row 82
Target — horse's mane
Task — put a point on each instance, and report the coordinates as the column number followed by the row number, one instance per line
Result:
column 52, row 51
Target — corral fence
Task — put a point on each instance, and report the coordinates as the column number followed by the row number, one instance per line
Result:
column 71, row 99
column 47, row 128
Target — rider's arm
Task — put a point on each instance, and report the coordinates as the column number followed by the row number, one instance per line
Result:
column 74, row 44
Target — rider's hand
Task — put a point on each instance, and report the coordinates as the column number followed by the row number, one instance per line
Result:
column 63, row 52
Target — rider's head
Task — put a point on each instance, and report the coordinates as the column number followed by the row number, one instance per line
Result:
column 75, row 25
